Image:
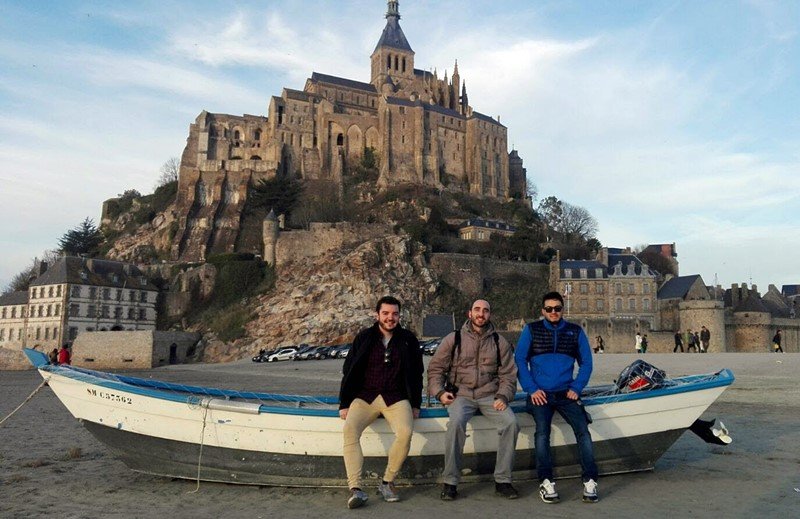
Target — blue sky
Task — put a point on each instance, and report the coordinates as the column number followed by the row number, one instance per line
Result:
column 669, row 121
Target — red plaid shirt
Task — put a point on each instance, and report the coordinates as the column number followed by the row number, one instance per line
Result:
column 381, row 377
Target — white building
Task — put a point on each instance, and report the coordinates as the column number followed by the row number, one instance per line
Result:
column 75, row 295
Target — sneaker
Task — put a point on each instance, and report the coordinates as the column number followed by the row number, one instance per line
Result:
column 389, row 492
column 357, row 498
column 590, row 491
column 505, row 490
column 547, row 490
column 449, row 492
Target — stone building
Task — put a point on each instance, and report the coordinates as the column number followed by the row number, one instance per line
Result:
column 615, row 285
column 75, row 295
column 481, row 229
column 141, row 349
column 673, row 292
column 421, row 127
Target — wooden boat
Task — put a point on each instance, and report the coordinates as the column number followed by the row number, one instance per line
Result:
column 229, row 436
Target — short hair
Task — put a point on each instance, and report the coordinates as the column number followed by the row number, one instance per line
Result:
column 387, row 300
column 552, row 295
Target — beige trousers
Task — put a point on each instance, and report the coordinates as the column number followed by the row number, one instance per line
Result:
column 360, row 415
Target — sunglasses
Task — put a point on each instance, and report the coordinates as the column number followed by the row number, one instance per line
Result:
column 553, row 309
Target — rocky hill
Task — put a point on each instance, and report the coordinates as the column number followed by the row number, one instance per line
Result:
column 326, row 300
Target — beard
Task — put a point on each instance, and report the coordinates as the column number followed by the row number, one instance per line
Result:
column 387, row 327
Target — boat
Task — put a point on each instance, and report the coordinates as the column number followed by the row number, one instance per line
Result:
column 220, row 435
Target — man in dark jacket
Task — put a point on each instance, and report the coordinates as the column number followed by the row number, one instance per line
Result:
column 382, row 376
column 473, row 369
column 546, row 355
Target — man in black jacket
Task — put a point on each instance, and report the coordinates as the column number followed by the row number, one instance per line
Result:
column 382, row 376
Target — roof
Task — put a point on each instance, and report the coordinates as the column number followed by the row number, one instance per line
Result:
column 591, row 267
column 790, row 290
column 401, row 101
column 775, row 308
column 677, row 287
column 340, row 81
column 20, row 297
column 486, row 118
column 626, row 259
column 393, row 36
column 752, row 304
column 96, row 272
column 488, row 224
column 442, row 110
column 296, row 94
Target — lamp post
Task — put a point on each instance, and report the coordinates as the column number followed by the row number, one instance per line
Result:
column 567, row 292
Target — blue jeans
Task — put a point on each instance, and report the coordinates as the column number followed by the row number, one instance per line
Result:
column 573, row 413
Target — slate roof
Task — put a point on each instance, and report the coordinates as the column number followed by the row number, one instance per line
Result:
column 790, row 290
column 393, row 36
column 591, row 267
column 96, row 272
column 752, row 304
column 340, row 81
column 488, row 224
column 677, row 287
column 625, row 259
column 442, row 110
column 401, row 101
column 20, row 297
column 486, row 118
column 775, row 308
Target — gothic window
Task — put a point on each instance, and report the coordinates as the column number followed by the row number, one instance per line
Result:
column 395, row 63
column 340, row 140
column 404, row 64
column 388, row 62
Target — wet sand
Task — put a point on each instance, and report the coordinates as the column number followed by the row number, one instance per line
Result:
column 49, row 464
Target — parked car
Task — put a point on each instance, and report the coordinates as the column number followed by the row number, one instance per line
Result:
column 323, row 352
column 430, row 346
column 305, row 352
column 341, row 351
column 282, row 354
column 262, row 355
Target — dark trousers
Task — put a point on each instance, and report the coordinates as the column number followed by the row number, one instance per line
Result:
column 679, row 345
column 573, row 413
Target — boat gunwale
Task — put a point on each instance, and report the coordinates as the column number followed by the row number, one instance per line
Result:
column 197, row 395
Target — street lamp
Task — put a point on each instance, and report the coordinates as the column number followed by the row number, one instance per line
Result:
column 567, row 292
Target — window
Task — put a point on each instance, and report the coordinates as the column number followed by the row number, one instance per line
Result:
column 2, row 334
column 38, row 334
column 618, row 304
column 340, row 140
column 4, row 313
column 646, row 304
column 50, row 292
column 104, row 312
column 142, row 314
column 646, row 288
column 600, row 288
column 118, row 312
column 75, row 292
column 73, row 310
column 119, row 294
column 131, row 313
column 132, row 295
column 47, row 334
column 584, row 288
column 631, row 288
column 91, row 311
column 599, row 305
column 57, row 309
column 618, row 289
column 598, row 273
column 632, row 304
column 58, row 291
column 13, row 312
column 568, row 273
column 92, row 292
column 106, row 294
column 584, row 273
column 584, row 305
column 143, row 297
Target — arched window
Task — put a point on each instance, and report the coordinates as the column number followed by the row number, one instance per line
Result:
column 257, row 135
column 404, row 63
column 340, row 140
column 389, row 62
column 395, row 63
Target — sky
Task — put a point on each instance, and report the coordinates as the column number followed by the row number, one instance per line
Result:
column 670, row 121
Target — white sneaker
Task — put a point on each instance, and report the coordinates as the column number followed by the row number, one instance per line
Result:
column 547, row 491
column 590, row 491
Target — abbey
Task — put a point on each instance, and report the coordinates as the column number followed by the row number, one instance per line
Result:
column 420, row 127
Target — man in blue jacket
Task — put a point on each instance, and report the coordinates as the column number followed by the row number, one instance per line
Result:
column 546, row 355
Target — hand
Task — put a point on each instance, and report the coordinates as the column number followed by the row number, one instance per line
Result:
column 499, row 404
column 572, row 395
column 343, row 413
column 447, row 398
column 415, row 412
column 539, row 397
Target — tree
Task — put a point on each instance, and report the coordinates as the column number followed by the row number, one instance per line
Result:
column 550, row 211
column 577, row 224
column 23, row 279
column 83, row 239
column 169, row 172
column 278, row 194
column 657, row 262
column 531, row 190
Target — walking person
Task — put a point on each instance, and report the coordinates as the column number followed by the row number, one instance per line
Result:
column 678, row 342
column 644, row 344
column 546, row 354
column 776, row 341
column 638, row 343
column 705, row 339
column 382, row 375
column 473, row 370
column 690, row 345
column 599, row 344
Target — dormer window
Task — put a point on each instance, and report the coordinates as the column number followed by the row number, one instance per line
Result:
column 567, row 273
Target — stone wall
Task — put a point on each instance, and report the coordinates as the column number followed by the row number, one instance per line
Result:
column 131, row 350
column 324, row 237
column 473, row 275
column 695, row 314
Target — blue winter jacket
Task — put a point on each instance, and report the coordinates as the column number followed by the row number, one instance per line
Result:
column 546, row 356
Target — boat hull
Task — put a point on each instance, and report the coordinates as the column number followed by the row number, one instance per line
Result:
column 161, row 457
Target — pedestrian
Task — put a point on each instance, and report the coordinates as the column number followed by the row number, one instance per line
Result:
column 64, row 356
column 705, row 339
column 697, row 343
column 644, row 344
column 690, row 345
column 53, row 357
column 382, row 375
column 473, row 370
column 599, row 344
column 678, row 342
column 546, row 355
column 776, row 341
column 638, row 343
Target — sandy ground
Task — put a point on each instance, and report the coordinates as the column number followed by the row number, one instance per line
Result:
column 50, row 465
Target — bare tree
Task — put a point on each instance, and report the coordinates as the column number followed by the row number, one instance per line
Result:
column 531, row 190
column 577, row 222
column 169, row 172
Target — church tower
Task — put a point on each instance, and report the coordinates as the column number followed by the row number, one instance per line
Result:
column 392, row 56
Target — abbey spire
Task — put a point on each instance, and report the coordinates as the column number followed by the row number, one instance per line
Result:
column 393, row 55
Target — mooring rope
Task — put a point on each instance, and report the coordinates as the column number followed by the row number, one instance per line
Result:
column 200, row 455
column 44, row 383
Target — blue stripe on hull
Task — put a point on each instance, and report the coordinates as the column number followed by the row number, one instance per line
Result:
column 179, row 459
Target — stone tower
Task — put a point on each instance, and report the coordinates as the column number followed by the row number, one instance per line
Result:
column 270, row 233
column 392, row 56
